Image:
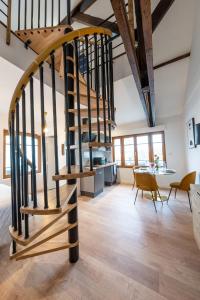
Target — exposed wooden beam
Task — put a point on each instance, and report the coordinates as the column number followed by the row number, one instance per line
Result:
column 160, row 11
column 171, row 61
column 94, row 21
column 121, row 17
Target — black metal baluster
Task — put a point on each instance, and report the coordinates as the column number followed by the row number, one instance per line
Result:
column 103, row 85
column 91, row 84
column 96, row 58
column 88, row 97
column 66, row 89
column 44, row 163
column 111, row 82
column 55, row 127
column 32, row 7
column 33, row 169
column 45, row 13
column 19, row 14
column 108, row 87
column 78, row 105
column 13, row 193
column 58, row 11
column 38, row 13
column 25, row 169
column 13, row 172
column 18, row 181
column 25, row 14
column 52, row 12
column 69, row 12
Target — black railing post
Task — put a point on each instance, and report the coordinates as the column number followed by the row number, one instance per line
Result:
column 33, row 168
column 18, row 184
column 45, row 13
column 38, row 13
column 25, row 14
column 78, row 105
column 25, row 168
column 69, row 12
column 111, row 82
column 88, row 98
column 52, row 12
column 19, row 14
column 96, row 58
column 55, row 127
column 108, row 87
column 103, row 85
column 44, row 163
column 32, row 8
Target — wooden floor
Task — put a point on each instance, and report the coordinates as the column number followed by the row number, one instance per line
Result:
column 126, row 252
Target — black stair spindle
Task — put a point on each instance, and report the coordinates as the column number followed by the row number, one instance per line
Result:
column 24, row 162
column 88, row 102
column 55, row 127
column 91, row 79
column 19, row 14
column 32, row 8
column 52, row 12
column 33, row 168
column 18, row 179
column 13, row 172
column 111, row 82
column 78, row 105
column 39, row 13
column 45, row 13
column 96, row 61
column 44, row 162
column 69, row 12
column 66, row 89
column 25, row 14
column 108, row 87
column 58, row 11
column 103, row 85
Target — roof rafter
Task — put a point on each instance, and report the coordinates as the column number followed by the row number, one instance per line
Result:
column 160, row 11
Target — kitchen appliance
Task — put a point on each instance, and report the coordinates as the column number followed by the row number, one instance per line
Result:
column 99, row 161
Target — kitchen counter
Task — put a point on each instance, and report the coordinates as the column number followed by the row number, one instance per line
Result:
column 96, row 167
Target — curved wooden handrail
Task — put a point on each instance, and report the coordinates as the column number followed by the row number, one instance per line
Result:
column 31, row 70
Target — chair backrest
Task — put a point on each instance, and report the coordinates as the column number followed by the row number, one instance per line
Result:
column 187, row 180
column 146, row 182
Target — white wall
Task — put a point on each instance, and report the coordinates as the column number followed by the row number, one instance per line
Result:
column 192, row 104
column 174, row 139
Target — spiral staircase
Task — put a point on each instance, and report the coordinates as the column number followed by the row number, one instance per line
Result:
column 82, row 60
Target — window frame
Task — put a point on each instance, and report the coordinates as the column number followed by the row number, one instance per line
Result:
column 6, row 133
column 134, row 136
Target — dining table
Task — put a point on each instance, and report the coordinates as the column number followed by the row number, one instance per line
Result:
column 156, row 172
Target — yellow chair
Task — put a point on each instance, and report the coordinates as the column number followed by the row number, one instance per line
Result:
column 147, row 182
column 134, row 168
column 184, row 185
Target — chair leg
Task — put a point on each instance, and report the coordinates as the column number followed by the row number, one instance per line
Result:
column 136, row 196
column 189, row 201
column 169, row 195
column 160, row 197
column 175, row 193
column 154, row 202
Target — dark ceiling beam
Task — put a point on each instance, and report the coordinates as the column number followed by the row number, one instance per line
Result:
column 121, row 17
column 160, row 11
column 144, row 24
column 82, row 6
column 94, row 21
column 171, row 61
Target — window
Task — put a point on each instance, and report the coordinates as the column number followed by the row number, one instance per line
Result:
column 139, row 149
column 6, row 152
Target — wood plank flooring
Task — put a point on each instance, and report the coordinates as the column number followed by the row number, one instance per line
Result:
column 126, row 252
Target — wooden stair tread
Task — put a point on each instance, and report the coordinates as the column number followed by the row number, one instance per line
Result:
column 47, row 248
column 84, row 112
column 66, row 192
column 55, row 234
column 38, row 225
column 75, row 173
column 85, row 127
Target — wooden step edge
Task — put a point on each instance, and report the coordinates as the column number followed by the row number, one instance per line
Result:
column 24, row 242
column 40, row 211
column 51, row 236
column 99, row 144
column 74, row 175
column 49, row 250
column 39, row 30
column 94, row 126
column 84, row 95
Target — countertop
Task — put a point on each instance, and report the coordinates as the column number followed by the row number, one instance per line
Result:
column 101, row 166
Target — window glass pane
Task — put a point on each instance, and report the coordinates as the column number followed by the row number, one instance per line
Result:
column 129, row 155
column 117, row 150
column 128, row 141
column 157, row 138
column 143, row 154
column 142, row 139
column 158, row 150
column 117, row 142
